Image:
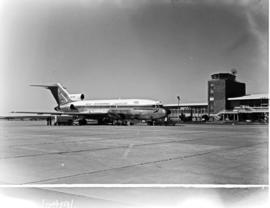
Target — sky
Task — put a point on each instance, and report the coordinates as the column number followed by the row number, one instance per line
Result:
column 153, row 49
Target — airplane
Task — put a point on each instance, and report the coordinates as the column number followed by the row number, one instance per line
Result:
column 104, row 111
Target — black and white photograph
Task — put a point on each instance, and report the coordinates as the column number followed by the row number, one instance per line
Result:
column 134, row 103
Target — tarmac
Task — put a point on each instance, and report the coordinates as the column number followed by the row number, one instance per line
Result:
column 33, row 153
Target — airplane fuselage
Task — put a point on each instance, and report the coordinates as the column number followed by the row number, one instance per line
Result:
column 141, row 109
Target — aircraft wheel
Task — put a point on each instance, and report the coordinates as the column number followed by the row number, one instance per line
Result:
column 82, row 122
column 150, row 123
column 100, row 122
column 70, row 122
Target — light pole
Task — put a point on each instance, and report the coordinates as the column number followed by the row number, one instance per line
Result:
column 178, row 98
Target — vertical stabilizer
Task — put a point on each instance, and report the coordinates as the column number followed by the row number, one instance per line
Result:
column 60, row 94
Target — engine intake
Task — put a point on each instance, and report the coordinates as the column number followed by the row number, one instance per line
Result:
column 72, row 107
column 57, row 108
column 76, row 97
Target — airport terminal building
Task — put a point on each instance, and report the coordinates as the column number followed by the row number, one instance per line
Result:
column 227, row 101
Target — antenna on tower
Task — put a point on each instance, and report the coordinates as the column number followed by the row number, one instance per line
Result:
column 234, row 71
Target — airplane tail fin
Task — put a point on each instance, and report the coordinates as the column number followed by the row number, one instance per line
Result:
column 60, row 94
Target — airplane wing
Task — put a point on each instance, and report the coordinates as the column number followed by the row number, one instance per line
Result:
column 91, row 114
column 82, row 114
column 49, row 113
column 28, row 117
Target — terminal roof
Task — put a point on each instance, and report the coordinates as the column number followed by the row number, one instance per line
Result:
column 186, row 104
column 251, row 97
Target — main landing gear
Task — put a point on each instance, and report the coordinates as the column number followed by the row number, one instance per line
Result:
column 151, row 123
column 82, row 122
column 122, row 123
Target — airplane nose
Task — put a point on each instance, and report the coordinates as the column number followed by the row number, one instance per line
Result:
column 165, row 111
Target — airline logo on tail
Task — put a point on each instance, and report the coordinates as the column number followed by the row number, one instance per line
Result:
column 63, row 95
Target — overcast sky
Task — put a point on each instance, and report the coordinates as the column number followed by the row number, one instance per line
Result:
column 155, row 49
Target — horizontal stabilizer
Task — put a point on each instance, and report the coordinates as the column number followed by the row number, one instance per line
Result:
column 45, row 86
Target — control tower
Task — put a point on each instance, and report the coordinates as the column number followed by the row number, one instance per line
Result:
column 221, row 87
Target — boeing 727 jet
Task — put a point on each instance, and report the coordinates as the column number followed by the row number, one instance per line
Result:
column 104, row 111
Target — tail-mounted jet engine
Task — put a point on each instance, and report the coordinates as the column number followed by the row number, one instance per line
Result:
column 76, row 97
column 57, row 108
